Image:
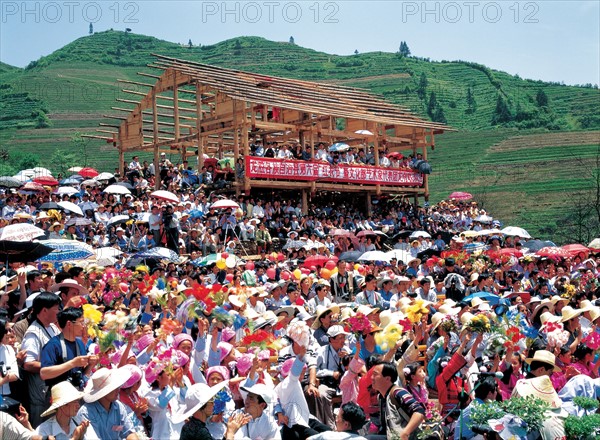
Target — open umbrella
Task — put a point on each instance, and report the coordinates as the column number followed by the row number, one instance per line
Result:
column 104, row 176
column 118, row 219
column 338, row 147
column 351, row 256
column 75, row 169
column 575, row 249
column 46, row 180
column 484, row 218
column 318, row 260
column 41, row 171
column 66, row 190
column 418, row 234
column 70, row 181
column 515, row 231
column 595, row 244
column 486, row 296
column 116, row 189
column 70, row 206
column 33, row 186
column 225, row 204
column 294, row 244
column 536, row 245
column 10, row 182
column 20, row 232
column 554, row 252
column 459, row 195
column 107, row 252
column 127, row 185
column 374, row 256
column 158, row 253
column 79, row 221
column 88, row 172
column 165, row 195
column 341, row 233
column 399, row 255
column 67, row 250
column 473, row 247
column 89, row 182
column 366, row 233
column 22, row 251
column 367, row 132
column 49, row 205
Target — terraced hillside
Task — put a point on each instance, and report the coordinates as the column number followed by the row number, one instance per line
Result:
column 44, row 107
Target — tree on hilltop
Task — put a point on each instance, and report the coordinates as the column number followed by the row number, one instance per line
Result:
column 471, row 103
column 422, row 88
column 190, row 43
column 502, row 113
column 292, row 40
column 404, row 51
column 91, row 31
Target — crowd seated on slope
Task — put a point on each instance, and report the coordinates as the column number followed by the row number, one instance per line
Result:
column 342, row 325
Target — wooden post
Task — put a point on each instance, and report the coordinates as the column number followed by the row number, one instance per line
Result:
column 155, row 140
column 246, row 142
column 376, row 152
column 369, row 206
column 176, row 113
column 236, row 146
column 121, row 161
column 198, row 123
column 425, row 176
column 304, row 201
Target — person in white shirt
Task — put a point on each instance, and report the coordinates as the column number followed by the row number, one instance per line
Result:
column 321, row 153
column 258, row 211
column 284, row 153
column 257, row 402
column 135, row 164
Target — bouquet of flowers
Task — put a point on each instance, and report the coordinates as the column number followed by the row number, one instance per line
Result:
column 449, row 324
column 555, row 334
column 529, row 409
column 592, row 341
column 479, row 324
column 358, row 324
column 432, row 426
column 416, row 311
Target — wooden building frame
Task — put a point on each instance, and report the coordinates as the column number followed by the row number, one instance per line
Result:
column 198, row 109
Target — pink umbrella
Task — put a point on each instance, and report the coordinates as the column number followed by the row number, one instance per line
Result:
column 32, row 186
column 575, row 249
column 165, row 195
column 460, row 196
column 553, row 252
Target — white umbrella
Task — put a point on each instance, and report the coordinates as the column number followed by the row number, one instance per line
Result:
column 70, row 206
column 364, row 132
column 104, row 176
column 79, row 221
column 225, row 204
column 89, row 182
column 375, row 256
column 417, row 234
column 41, row 171
column 594, row 244
column 516, row 231
column 142, row 217
column 399, row 255
column 484, row 218
column 490, row 232
column 116, row 189
column 20, row 232
column 25, row 175
column 165, row 195
column 106, row 261
column 107, row 252
column 66, row 190
column 75, row 169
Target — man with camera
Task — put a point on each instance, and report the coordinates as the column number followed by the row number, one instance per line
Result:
column 64, row 356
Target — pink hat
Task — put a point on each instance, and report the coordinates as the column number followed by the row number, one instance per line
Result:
column 180, row 338
column 244, row 363
column 179, row 359
column 223, row 371
column 227, row 334
column 263, row 355
column 136, row 375
column 144, row 342
column 287, row 367
column 224, row 349
column 153, row 370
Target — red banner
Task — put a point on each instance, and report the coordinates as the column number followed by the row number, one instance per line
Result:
column 267, row 168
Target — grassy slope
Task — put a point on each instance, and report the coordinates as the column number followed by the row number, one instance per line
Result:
column 77, row 86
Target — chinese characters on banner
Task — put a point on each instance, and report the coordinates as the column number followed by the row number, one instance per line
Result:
column 266, row 168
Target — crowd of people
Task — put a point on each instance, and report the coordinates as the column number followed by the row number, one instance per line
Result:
column 266, row 322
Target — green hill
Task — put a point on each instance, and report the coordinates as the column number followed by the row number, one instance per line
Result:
column 506, row 150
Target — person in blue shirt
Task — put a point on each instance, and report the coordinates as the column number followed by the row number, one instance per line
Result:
column 146, row 242
column 64, row 357
column 485, row 391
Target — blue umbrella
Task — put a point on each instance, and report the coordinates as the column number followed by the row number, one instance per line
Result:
column 67, row 250
column 339, row 146
column 486, row 296
column 536, row 245
column 473, row 247
column 158, row 253
column 196, row 213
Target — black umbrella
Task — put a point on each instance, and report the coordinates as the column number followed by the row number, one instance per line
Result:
column 125, row 184
column 10, row 182
column 22, row 251
column 50, row 205
column 427, row 253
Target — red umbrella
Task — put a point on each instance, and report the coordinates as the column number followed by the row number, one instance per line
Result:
column 511, row 252
column 553, row 251
column 575, row 249
column 32, row 186
column 460, row 196
column 88, row 172
column 318, row 260
column 46, row 180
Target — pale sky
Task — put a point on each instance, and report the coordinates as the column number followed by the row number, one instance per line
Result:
column 547, row 40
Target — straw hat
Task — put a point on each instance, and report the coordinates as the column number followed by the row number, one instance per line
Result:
column 235, row 300
column 366, row 310
column 388, row 317
column 69, row 283
column 196, row 397
column 63, row 393
column 436, row 320
column 320, row 311
column 103, row 382
column 548, row 317
column 594, row 313
column 545, row 303
column 476, row 302
column 4, row 281
column 540, row 387
column 449, row 310
column 569, row 313
column 585, row 305
column 466, row 317
column 403, row 303
column 544, row 356
column 347, row 312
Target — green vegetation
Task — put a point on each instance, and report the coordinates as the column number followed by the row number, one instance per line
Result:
column 524, row 148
